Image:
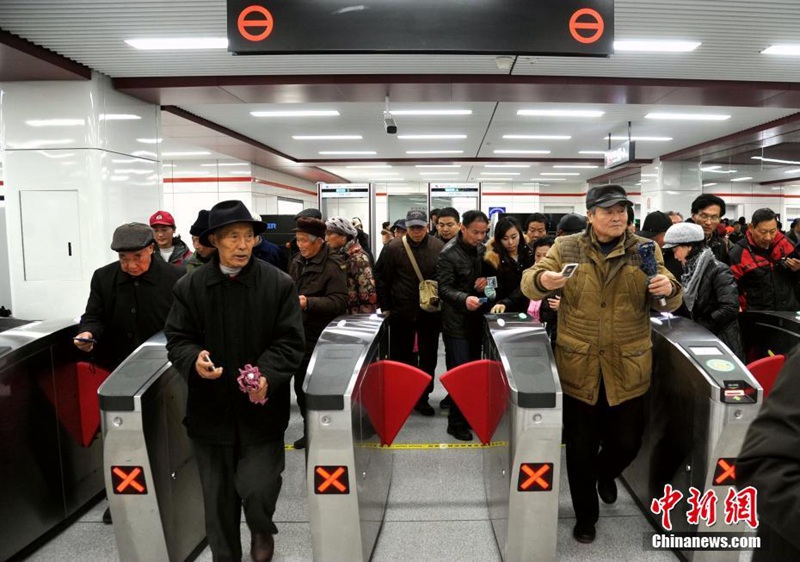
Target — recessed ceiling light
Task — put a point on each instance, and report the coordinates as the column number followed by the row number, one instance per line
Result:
column 716, row 170
column 499, row 173
column 150, row 141
column 548, row 179
column 437, row 174
column 774, row 160
column 710, row 184
column 434, row 152
column 522, row 152
column 348, row 152
column 437, row 166
column 179, row 43
column 368, row 167
column 431, row 137
column 537, row 137
column 560, row 173
column 221, row 164
column 591, row 152
column 55, row 122
column 327, row 137
column 687, row 116
column 506, row 166
column 297, row 113
column 412, row 112
column 649, row 175
column 782, row 50
column 576, row 166
column 186, row 153
column 645, row 139
column 656, row 46
column 561, row 112
column 119, row 117
column 742, row 179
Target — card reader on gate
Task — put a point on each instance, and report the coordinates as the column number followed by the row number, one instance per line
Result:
column 738, row 392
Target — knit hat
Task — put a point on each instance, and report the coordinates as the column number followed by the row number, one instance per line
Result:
column 200, row 224
column 683, row 233
column 341, row 225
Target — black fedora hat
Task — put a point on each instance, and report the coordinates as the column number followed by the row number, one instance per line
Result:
column 225, row 213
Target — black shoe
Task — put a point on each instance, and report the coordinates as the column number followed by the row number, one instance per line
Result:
column 300, row 443
column 107, row 516
column 607, row 490
column 459, row 432
column 262, row 547
column 584, row 533
column 424, row 408
column 445, row 403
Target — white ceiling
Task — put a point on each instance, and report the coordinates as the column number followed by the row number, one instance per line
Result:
column 732, row 32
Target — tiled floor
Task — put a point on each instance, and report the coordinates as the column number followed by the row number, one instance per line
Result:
column 436, row 511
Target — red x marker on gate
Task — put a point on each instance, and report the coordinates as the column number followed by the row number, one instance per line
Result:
column 331, row 480
column 128, row 480
column 535, row 477
column 725, row 472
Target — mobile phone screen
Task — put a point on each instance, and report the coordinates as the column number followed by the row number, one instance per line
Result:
column 569, row 270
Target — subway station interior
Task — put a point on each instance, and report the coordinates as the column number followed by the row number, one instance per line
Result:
column 111, row 110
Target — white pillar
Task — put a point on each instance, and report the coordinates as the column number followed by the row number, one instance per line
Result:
column 670, row 186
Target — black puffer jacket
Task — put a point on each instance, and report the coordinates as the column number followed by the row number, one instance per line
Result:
column 720, row 246
column 717, row 306
column 457, row 269
column 509, row 273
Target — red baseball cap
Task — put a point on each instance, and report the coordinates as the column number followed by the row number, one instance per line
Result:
column 162, row 218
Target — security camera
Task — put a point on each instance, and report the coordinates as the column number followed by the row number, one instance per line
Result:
column 388, row 122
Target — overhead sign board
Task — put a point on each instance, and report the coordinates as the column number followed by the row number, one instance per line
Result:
column 336, row 190
column 454, row 189
column 502, row 27
column 620, row 155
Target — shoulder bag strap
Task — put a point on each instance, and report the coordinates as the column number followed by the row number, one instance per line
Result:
column 413, row 261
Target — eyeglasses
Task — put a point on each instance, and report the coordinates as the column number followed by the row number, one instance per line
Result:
column 707, row 218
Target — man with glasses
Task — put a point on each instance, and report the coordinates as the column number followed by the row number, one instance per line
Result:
column 707, row 211
column 765, row 269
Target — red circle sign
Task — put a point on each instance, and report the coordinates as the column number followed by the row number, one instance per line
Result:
column 267, row 23
column 593, row 22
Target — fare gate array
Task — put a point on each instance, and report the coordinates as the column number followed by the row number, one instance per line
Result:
column 151, row 477
column 701, row 403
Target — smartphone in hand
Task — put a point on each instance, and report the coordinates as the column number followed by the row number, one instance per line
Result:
column 569, row 269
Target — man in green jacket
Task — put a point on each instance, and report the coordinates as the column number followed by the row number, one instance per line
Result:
column 603, row 350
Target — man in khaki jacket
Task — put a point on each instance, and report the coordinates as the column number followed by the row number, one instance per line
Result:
column 603, row 351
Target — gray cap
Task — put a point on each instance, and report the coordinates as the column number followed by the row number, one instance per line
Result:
column 683, row 233
column 416, row 217
column 571, row 223
column 131, row 236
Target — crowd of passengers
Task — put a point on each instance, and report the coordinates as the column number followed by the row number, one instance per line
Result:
column 246, row 301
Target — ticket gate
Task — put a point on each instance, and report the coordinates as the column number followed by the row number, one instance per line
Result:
column 701, row 402
column 766, row 331
column 512, row 400
column 151, row 476
column 51, row 463
column 357, row 401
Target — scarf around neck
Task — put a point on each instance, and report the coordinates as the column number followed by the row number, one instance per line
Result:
column 693, row 271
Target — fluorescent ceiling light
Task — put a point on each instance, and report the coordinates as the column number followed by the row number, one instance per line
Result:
column 537, row 137
column 591, row 152
column 369, row 167
column 506, row 166
column 187, row 153
column 716, row 170
column 561, row 112
column 434, row 152
column 711, row 184
column 55, row 122
column 560, row 173
column 499, row 173
column 179, row 43
column 522, row 152
column 412, row 112
column 653, row 139
column 437, row 166
column 430, row 137
column 793, row 171
column 576, row 166
column 742, row 179
column 774, row 160
column 656, row 46
column 348, row 152
column 150, row 141
column 437, row 174
column 226, row 164
column 548, row 179
column 327, row 137
column 297, row 113
column 649, row 175
column 687, row 116
column 119, row 117
column 782, row 50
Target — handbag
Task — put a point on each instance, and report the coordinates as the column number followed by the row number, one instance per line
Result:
column 428, row 288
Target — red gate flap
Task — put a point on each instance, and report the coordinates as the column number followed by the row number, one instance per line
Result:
column 480, row 390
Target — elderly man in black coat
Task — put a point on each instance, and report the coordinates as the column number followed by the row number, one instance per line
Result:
column 234, row 312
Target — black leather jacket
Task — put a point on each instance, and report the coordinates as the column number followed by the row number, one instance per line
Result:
column 457, row 269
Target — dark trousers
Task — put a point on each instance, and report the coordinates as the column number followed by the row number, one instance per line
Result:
column 401, row 343
column 457, row 352
column 299, row 377
column 233, row 477
column 618, row 429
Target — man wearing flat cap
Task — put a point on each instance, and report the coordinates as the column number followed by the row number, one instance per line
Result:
column 321, row 279
column 202, row 254
column 129, row 298
column 232, row 313
column 603, row 348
